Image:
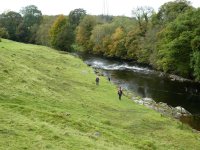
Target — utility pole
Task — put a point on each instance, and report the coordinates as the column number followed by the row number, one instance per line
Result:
column 105, row 10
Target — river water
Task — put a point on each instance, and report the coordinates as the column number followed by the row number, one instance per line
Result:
column 147, row 82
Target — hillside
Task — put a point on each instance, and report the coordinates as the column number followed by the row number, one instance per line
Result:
column 49, row 100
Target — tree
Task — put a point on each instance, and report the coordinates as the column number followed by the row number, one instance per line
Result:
column 42, row 34
column 3, row 33
column 103, row 34
column 175, row 44
column 10, row 21
column 117, row 47
column 84, row 31
column 132, row 43
column 61, row 34
column 142, row 15
column 32, row 18
column 170, row 10
column 126, row 22
column 195, row 63
column 65, row 38
column 56, row 29
column 195, row 57
column 22, row 33
column 101, row 38
column 31, row 15
column 75, row 17
column 147, row 46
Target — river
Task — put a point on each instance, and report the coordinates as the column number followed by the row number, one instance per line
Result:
column 147, row 82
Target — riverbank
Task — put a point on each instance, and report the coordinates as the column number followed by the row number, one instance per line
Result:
column 49, row 100
column 176, row 112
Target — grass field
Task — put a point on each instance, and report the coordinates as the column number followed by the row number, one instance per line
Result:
column 49, row 100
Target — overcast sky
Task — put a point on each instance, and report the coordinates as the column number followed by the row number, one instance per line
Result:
column 94, row 7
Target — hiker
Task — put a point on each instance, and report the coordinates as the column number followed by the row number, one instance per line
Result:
column 97, row 80
column 120, row 92
column 109, row 79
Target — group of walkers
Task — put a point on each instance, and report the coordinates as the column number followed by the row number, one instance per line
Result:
column 119, row 92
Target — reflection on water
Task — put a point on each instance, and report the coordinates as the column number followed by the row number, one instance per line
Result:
column 149, row 83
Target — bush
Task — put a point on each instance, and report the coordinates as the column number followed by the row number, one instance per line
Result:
column 3, row 33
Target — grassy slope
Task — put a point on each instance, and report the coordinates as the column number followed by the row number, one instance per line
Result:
column 49, row 100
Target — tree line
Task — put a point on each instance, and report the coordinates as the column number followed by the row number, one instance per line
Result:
column 168, row 40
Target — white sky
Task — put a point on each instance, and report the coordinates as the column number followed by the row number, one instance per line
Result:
column 94, row 7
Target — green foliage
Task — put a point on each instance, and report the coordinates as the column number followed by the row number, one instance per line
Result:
column 32, row 18
column 101, row 38
column 174, row 49
column 57, row 29
column 84, row 31
column 195, row 60
column 10, row 22
column 65, row 38
column 61, row 34
column 148, row 47
column 195, row 63
column 31, row 15
column 195, row 43
column 23, row 33
column 75, row 17
column 109, row 39
column 3, row 33
column 117, row 47
column 133, row 43
column 21, row 28
column 49, row 100
column 125, row 22
column 170, row 10
column 42, row 35
column 142, row 15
